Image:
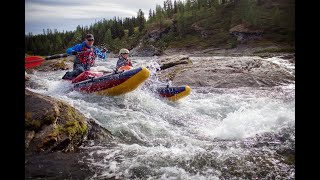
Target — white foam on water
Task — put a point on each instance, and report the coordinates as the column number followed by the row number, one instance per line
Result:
column 160, row 136
column 264, row 115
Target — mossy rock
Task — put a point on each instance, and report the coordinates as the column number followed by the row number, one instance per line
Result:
column 58, row 126
column 73, row 128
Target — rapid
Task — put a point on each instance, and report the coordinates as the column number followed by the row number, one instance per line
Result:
column 214, row 133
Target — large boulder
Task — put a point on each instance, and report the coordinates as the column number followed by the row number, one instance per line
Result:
column 227, row 72
column 53, row 125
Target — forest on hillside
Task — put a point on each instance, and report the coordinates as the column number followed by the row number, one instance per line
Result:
column 275, row 17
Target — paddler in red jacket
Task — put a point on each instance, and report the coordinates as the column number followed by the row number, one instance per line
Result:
column 85, row 55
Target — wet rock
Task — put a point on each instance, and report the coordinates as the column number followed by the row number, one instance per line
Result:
column 97, row 133
column 173, row 61
column 52, row 125
column 56, row 125
column 54, row 132
column 56, row 165
column 227, row 72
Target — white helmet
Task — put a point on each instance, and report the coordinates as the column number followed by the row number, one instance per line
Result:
column 124, row 51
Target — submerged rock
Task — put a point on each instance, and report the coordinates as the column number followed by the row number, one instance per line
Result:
column 56, row 165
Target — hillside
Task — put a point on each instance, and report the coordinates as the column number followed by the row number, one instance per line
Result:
column 268, row 25
column 212, row 27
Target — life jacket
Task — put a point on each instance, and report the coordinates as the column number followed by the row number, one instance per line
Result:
column 125, row 68
column 123, row 62
column 87, row 56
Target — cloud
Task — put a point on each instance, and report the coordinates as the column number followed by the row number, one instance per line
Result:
column 36, row 9
column 43, row 12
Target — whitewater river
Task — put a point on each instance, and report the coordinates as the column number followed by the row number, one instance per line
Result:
column 213, row 133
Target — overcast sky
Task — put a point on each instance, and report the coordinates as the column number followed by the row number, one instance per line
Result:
column 67, row 14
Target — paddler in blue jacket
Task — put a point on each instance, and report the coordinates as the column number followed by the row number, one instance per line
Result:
column 85, row 55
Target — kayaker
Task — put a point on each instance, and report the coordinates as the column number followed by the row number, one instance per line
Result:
column 123, row 58
column 85, row 55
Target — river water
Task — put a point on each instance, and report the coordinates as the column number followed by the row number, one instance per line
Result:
column 213, row 133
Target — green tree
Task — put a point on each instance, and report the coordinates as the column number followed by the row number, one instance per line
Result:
column 141, row 20
column 159, row 16
column 130, row 29
column 108, row 39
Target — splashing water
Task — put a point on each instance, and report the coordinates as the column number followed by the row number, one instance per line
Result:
column 211, row 134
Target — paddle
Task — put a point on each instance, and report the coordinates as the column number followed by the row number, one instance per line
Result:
column 34, row 61
column 57, row 56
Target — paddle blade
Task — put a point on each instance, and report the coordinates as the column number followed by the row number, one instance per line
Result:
column 33, row 61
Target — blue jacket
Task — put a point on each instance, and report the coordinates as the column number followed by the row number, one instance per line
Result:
column 78, row 48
